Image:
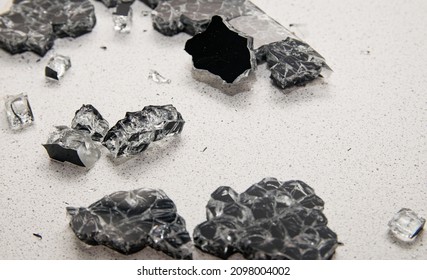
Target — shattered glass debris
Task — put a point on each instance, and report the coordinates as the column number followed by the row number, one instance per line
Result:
column 270, row 220
column 74, row 146
column 132, row 135
column 295, row 62
column 57, row 66
column 128, row 221
column 122, row 18
column 88, row 119
column 156, row 77
column 406, row 224
column 18, row 111
column 222, row 51
column 152, row 3
column 34, row 25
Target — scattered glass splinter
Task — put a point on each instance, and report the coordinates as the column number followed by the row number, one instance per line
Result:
column 128, row 221
column 156, row 77
column 132, row 135
column 122, row 18
column 74, row 146
column 18, row 111
column 406, row 224
column 270, row 220
column 89, row 120
column 57, row 66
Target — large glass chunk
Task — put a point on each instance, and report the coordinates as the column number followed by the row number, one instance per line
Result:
column 132, row 135
column 222, row 51
column 34, row 25
column 270, row 220
column 122, row 18
column 74, row 146
column 406, row 224
column 57, row 66
column 128, row 221
column 88, row 119
column 18, row 111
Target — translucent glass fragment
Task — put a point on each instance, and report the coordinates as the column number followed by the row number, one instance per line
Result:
column 57, row 66
column 406, row 224
column 18, row 111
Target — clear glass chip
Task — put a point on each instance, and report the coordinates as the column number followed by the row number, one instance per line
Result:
column 18, row 111
column 156, row 77
column 122, row 18
column 406, row 224
column 57, row 66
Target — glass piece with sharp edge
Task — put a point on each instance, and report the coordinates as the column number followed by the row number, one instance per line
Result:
column 74, row 146
column 18, row 111
column 128, row 221
column 57, row 66
column 34, row 25
column 89, row 120
column 406, row 224
column 122, row 18
column 132, row 135
column 270, row 220
column 156, row 77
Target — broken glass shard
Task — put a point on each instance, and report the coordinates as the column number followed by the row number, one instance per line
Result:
column 114, row 3
column 156, row 77
column 293, row 62
column 74, row 146
column 128, row 221
column 151, row 3
column 222, row 51
column 406, row 224
column 270, row 220
column 34, row 25
column 193, row 16
column 122, row 18
column 89, row 120
column 57, row 66
column 132, row 135
column 18, row 111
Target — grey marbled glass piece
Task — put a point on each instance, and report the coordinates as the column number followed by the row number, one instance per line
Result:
column 128, row 221
column 18, row 111
column 57, row 66
column 132, row 135
column 74, row 146
column 223, row 51
column 89, row 120
column 406, row 224
column 193, row 16
column 33, row 25
column 270, row 220
column 293, row 62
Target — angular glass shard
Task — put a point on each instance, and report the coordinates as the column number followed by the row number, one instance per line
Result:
column 34, row 25
column 267, row 221
column 74, row 146
column 128, row 221
column 18, row 111
column 151, row 3
column 406, row 224
column 222, row 51
column 293, row 62
column 156, row 77
column 57, row 66
column 122, row 18
column 132, row 135
column 193, row 16
column 88, row 119
column 114, row 3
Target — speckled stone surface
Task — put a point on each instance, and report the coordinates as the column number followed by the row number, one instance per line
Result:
column 358, row 136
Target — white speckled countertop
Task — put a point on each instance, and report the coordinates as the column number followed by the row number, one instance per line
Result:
column 358, row 138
